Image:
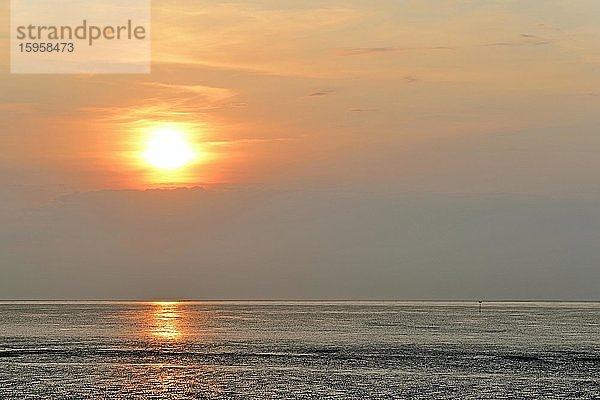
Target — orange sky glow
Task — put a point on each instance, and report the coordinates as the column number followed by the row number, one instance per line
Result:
column 274, row 92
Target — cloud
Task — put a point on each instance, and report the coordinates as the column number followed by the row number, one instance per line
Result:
column 149, row 109
column 516, row 44
column 362, row 109
column 525, row 39
column 323, row 92
column 235, row 31
column 208, row 92
column 368, row 50
column 358, row 51
column 170, row 101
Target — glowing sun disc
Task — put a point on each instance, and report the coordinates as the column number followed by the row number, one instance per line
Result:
column 168, row 149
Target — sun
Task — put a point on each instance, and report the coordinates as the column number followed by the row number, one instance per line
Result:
column 167, row 148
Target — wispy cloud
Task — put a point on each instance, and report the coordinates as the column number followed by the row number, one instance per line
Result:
column 237, row 29
column 323, row 92
column 357, row 51
column 525, row 39
column 211, row 93
column 369, row 50
column 362, row 109
column 168, row 101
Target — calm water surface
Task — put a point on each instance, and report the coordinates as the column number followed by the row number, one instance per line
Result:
column 341, row 350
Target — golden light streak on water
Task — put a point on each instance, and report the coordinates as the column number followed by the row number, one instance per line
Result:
column 166, row 321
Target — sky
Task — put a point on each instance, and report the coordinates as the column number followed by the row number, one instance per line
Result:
column 422, row 149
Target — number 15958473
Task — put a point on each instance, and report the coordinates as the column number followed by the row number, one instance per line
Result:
column 46, row 47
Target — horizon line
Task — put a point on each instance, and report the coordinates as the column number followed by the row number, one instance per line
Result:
column 283, row 300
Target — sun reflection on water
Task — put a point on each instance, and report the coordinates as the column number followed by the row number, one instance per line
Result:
column 167, row 320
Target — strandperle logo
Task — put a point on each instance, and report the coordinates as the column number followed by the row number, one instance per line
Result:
column 91, row 33
column 80, row 36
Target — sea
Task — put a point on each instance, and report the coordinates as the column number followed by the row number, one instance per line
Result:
column 299, row 350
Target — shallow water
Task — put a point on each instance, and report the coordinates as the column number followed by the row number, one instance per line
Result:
column 306, row 350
